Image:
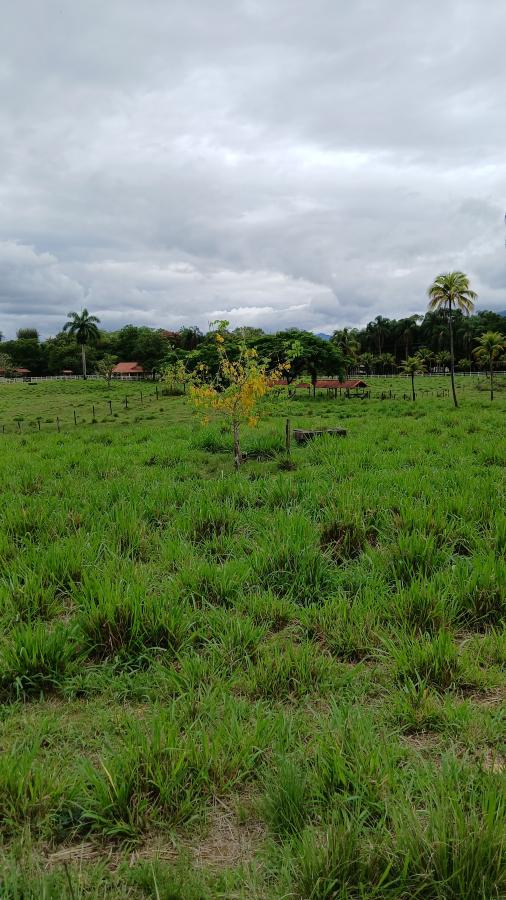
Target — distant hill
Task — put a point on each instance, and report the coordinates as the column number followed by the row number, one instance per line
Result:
column 326, row 337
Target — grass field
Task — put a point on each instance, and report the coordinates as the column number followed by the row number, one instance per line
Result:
column 287, row 682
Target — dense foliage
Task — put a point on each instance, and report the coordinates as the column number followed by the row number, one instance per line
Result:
column 380, row 347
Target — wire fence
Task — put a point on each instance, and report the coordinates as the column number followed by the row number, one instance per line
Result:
column 106, row 411
column 75, row 415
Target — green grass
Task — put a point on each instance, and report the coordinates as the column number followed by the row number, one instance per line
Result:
column 286, row 682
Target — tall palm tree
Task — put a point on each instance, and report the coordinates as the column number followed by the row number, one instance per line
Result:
column 381, row 327
column 490, row 345
column 407, row 330
column 346, row 341
column 84, row 328
column 412, row 366
column 448, row 292
column 467, row 334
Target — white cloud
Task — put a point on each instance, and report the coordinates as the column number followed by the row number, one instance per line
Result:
column 291, row 165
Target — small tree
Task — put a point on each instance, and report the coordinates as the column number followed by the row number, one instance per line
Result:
column 490, row 346
column 237, row 389
column 6, row 366
column 412, row 366
column 105, row 366
column 175, row 376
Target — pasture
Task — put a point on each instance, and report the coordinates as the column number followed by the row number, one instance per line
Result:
column 283, row 682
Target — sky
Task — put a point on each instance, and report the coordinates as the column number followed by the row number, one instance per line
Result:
column 275, row 163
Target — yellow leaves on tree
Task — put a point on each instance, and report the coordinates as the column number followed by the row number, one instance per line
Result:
column 236, row 391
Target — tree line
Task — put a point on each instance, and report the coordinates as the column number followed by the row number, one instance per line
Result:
column 447, row 336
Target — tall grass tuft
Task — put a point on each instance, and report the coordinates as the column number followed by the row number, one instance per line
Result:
column 35, row 660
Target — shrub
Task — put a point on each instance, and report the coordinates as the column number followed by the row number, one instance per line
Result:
column 36, row 660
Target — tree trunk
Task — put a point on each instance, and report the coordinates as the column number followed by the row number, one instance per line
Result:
column 83, row 357
column 237, row 446
column 413, row 387
column 491, row 379
column 452, row 354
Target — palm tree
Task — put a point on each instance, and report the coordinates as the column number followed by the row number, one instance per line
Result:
column 386, row 361
column 412, row 366
column 490, row 345
column 346, row 341
column 466, row 332
column 367, row 360
column 442, row 359
column 407, row 327
column 448, row 292
column 380, row 328
column 84, row 328
column 427, row 357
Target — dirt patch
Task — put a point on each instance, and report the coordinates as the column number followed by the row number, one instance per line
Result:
column 226, row 842
column 492, row 761
column 488, row 698
column 422, row 742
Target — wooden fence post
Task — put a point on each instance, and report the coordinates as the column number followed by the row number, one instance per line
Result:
column 287, row 436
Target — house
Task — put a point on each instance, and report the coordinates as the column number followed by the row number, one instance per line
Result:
column 128, row 370
column 67, row 372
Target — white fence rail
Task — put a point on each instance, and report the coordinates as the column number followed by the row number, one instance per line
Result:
column 40, row 378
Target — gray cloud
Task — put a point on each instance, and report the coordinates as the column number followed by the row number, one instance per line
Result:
column 276, row 163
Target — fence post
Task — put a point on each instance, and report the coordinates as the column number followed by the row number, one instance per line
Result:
column 58, row 424
column 93, row 408
column 126, row 402
column 287, row 436
column 75, row 418
column 110, row 406
column 38, row 422
column 141, row 399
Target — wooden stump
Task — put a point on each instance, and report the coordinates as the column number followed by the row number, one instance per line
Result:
column 303, row 435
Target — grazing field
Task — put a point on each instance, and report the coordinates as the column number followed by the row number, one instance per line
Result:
column 286, row 682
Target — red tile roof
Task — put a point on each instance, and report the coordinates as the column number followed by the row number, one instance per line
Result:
column 333, row 383
column 128, row 368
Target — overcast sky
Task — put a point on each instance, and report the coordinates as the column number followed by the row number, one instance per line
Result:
column 272, row 162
